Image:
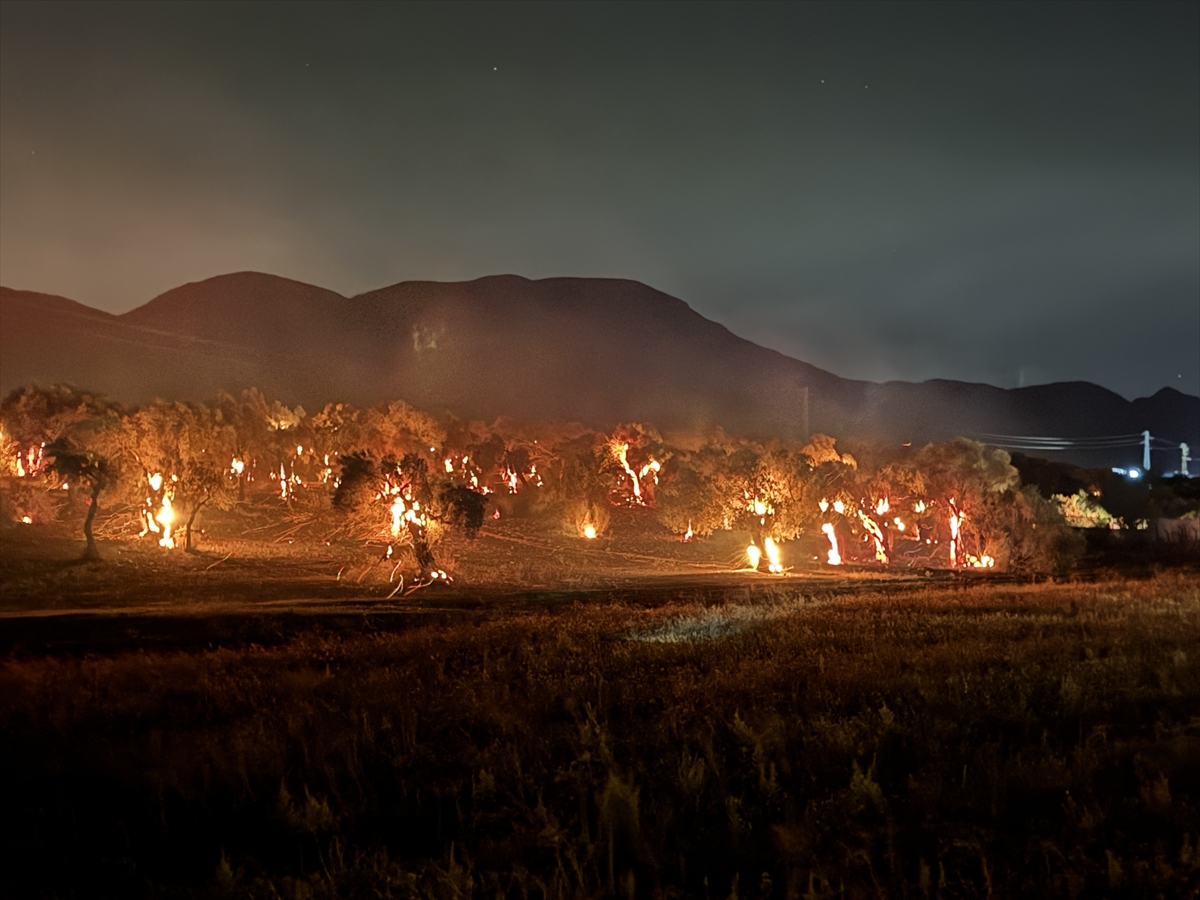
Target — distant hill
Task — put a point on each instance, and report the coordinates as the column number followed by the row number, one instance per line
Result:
column 598, row 351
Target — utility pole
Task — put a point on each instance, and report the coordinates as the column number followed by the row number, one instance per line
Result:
column 1184, row 459
column 1146, row 451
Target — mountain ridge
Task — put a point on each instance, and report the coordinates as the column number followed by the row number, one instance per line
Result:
column 598, row 351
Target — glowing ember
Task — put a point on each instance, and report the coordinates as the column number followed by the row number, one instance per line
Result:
column 833, row 557
column 26, row 520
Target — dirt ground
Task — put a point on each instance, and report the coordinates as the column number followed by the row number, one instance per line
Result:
column 281, row 714
column 256, row 580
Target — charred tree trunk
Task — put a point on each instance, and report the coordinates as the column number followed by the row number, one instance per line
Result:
column 91, row 552
column 425, row 561
column 187, row 533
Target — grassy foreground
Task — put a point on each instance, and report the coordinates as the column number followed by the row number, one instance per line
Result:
column 990, row 740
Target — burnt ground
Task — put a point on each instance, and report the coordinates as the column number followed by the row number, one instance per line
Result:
column 248, row 583
column 277, row 715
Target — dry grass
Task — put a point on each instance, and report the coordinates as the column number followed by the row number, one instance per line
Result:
column 962, row 741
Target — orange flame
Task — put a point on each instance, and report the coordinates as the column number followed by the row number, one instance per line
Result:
column 620, row 451
column 165, row 518
column 877, row 535
column 833, row 557
column 774, row 563
column 956, row 520
column 754, row 555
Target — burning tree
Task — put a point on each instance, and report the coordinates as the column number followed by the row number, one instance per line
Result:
column 401, row 501
column 56, row 439
column 581, row 486
column 90, row 469
column 634, row 458
column 182, row 452
column 763, row 490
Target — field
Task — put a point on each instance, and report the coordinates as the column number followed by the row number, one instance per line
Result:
column 626, row 718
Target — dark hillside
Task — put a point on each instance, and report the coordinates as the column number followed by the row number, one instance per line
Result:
column 598, row 351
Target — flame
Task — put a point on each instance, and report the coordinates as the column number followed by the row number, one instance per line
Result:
column 26, row 520
column 397, row 511
column 688, row 535
column 754, row 555
column 620, row 451
column 919, row 507
column 882, row 507
column 32, row 462
column 834, row 558
column 824, row 505
column 774, row 565
column 839, row 506
column 589, row 531
column 898, row 523
column 237, row 466
column 155, row 481
column 956, row 520
column 404, row 510
column 449, row 464
column 165, row 517
column 651, row 469
column 761, row 508
column 873, row 529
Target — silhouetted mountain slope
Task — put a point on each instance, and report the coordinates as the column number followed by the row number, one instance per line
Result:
column 599, row 351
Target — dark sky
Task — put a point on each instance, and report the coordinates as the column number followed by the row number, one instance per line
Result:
column 1005, row 193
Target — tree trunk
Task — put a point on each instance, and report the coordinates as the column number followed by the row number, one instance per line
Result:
column 187, row 539
column 91, row 552
column 425, row 561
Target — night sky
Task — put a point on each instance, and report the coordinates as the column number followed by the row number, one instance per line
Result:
column 1005, row 193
